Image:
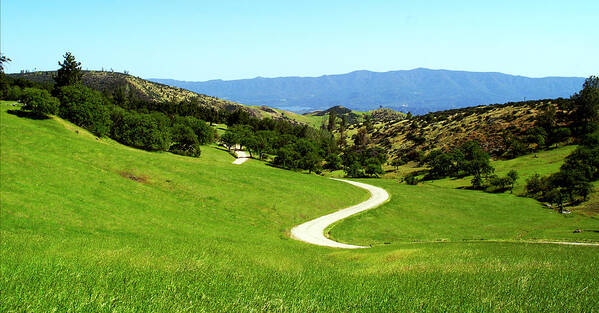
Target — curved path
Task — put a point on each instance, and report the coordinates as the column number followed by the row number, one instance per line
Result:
column 242, row 156
column 313, row 231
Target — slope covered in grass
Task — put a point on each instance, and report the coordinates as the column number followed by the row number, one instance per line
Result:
column 91, row 225
column 542, row 163
column 431, row 213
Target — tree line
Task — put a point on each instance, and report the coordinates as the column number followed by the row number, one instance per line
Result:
column 106, row 115
column 182, row 127
column 572, row 183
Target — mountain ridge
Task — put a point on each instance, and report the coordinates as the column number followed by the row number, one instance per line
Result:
column 418, row 90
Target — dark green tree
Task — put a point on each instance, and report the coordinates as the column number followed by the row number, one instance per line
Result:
column 69, row 72
column 229, row 139
column 361, row 138
column 39, row 101
column 373, row 167
column 86, row 108
column 586, row 105
column 3, row 59
column 342, row 142
column 332, row 121
column 185, row 141
column 333, row 161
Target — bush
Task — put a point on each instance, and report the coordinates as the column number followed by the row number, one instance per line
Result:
column 86, row 108
column 411, row 179
column 515, row 149
column 185, row 141
column 144, row 131
column 39, row 101
column 333, row 162
column 504, row 183
column 360, row 161
column 536, row 186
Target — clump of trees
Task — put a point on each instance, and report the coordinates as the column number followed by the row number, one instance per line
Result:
column 361, row 161
column 121, row 116
column 306, row 148
column 470, row 159
column 573, row 182
column 290, row 147
column 501, row 184
column 39, row 101
column 85, row 107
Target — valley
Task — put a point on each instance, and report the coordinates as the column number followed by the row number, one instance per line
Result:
column 89, row 224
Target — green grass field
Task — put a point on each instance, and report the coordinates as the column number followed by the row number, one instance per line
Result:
column 542, row 163
column 90, row 225
column 428, row 212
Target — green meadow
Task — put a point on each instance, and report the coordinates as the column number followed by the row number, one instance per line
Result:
column 89, row 225
column 542, row 163
column 430, row 213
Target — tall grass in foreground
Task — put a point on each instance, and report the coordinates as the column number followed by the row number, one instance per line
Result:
column 88, row 225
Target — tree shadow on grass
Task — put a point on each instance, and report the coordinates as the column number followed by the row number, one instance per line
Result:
column 28, row 114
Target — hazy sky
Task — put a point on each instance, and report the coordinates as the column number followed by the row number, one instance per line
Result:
column 202, row 40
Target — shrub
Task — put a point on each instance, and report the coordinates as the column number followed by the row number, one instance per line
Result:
column 39, row 101
column 144, row 131
column 515, row 149
column 333, row 161
column 536, row 186
column 411, row 179
column 86, row 108
column 185, row 141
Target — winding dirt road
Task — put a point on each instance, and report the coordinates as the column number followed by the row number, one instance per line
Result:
column 313, row 231
column 242, row 156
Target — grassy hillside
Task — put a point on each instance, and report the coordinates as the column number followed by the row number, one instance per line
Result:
column 542, row 163
column 353, row 118
column 91, row 225
column 108, row 82
column 429, row 212
column 490, row 125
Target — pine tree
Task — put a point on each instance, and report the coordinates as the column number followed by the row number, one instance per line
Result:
column 69, row 72
column 3, row 59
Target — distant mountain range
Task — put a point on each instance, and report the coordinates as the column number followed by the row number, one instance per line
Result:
column 417, row 91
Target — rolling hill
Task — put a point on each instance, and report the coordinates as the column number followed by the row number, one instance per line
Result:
column 92, row 225
column 417, row 91
column 491, row 125
column 108, row 82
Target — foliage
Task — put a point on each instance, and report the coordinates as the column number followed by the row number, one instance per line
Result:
column 411, row 179
column 145, row 131
column 333, row 162
column 86, row 108
column 363, row 161
column 468, row 160
column 39, row 101
column 185, row 141
column 586, row 105
column 3, row 59
column 69, row 72
column 573, row 182
column 229, row 139
column 506, row 182
column 361, row 138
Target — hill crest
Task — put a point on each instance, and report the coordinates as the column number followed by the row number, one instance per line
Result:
column 417, row 91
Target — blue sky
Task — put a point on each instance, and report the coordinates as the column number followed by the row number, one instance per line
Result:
column 202, row 40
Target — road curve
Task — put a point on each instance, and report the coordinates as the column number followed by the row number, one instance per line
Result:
column 313, row 231
column 242, row 156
